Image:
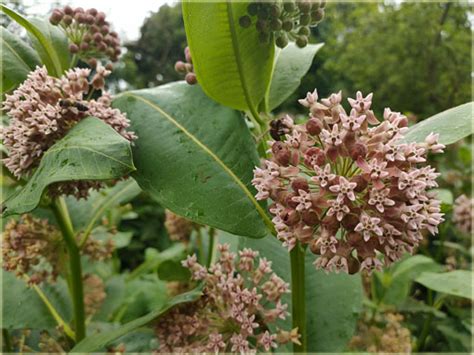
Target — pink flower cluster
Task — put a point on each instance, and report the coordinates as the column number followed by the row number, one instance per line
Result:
column 240, row 299
column 347, row 185
column 463, row 213
column 44, row 108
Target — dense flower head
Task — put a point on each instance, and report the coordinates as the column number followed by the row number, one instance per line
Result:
column 284, row 20
column 94, row 293
column 179, row 228
column 241, row 297
column 347, row 185
column 186, row 68
column 31, row 249
column 44, row 108
column 88, row 31
column 463, row 213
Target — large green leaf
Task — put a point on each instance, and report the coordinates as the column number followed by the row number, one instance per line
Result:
column 23, row 308
column 231, row 65
column 397, row 281
column 452, row 125
column 333, row 301
column 56, row 37
column 456, row 283
column 291, row 64
column 99, row 341
column 195, row 157
column 18, row 59
column 46, row 43
column 92, row 150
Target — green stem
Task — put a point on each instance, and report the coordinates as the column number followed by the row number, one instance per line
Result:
column 62, row 215
column 298, row 301
column 212, row 244
column 7, row 346
column 420, row 345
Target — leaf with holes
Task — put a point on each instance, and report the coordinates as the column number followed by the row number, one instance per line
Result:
column 452, row 125
column 291, row 64
column 231, row 65
column 92, row 150
column 18, row 59
column 195, row 157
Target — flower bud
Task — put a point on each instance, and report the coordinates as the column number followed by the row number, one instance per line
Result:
column 276, row 24
column 282, row 153
column 109, row 66
column 290, row 217
column 73, row 48
column 314, row 126
column 191, row 78
column 84, row 46
column 317, row 15
column 304, row 6
column 180, row 67
column 360, row 181
column 289, row 6
column 68, row 10
column 187, row 55
column 100, row 18
column 56, row 17
column 67, row 20
column 92, row 12
column 300, row 183
column 305, row 31
column 305, row 20
column 287, row 25
column 245, row 21
column 97, row 37
column 310, row 218
column 282, row 40
column 301, row 41
column 104, row 30
column 92, row 62
column 358, row 150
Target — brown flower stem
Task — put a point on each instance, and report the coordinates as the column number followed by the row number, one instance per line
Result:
column 298, row 301
column 62, row 216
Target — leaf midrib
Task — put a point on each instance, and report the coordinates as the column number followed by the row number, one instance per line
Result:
column 209, row 152
column 5, row 43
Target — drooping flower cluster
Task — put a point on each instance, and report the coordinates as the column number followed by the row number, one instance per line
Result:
column 239, row 300
column 463, row 213
column 179, row 228
column 284, row 20
column 389, row 337
column 94, row 293
column 28, row 246
column 346, row 185
column 43, row 109
column 88, row 31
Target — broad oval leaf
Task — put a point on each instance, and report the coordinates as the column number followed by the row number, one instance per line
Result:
column 456, row 283
column 452, row 125
column 18, row 59
column 231, row 65
column 333, row 301
column 92, row 150
column 291, row 64
column 97, row 342
column 195, row 157
column 18, row 297
column 45, row 43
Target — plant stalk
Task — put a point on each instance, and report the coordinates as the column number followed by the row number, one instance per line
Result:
column 211, row 248
column 298, row 301
column 62, row 216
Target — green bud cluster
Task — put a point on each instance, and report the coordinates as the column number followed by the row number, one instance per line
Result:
column 285, row 20
column 88, row 32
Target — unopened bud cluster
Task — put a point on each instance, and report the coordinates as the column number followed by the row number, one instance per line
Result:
column 94, row 293
column 241, row 297
column 88, row 31
column 179, row 228
column 32, row 248
column 463, row 213
column 284, row 20
column 186, row 68
column 44, row 108
column 348, row 186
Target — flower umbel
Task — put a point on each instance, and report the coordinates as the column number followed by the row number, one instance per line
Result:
column 347, row 186
column 242, row 295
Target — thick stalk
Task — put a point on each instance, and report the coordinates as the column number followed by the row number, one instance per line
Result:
column 298, row 301
column 211, row 247
column 75, row 270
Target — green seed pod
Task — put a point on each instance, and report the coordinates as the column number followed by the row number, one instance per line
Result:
column 304, row 31
column 245, row 21
column 264, row 37
column 252, row 8
column 304, row 6
column 289, row 6
column 276, row 24
column 305, row 19
column 282, row 40
column 301, row 41
column 317, row 15
column 262, row 26
column 287, row 25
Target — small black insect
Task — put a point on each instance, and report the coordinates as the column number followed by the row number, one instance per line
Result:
column 66, row 103
column 278, row 128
